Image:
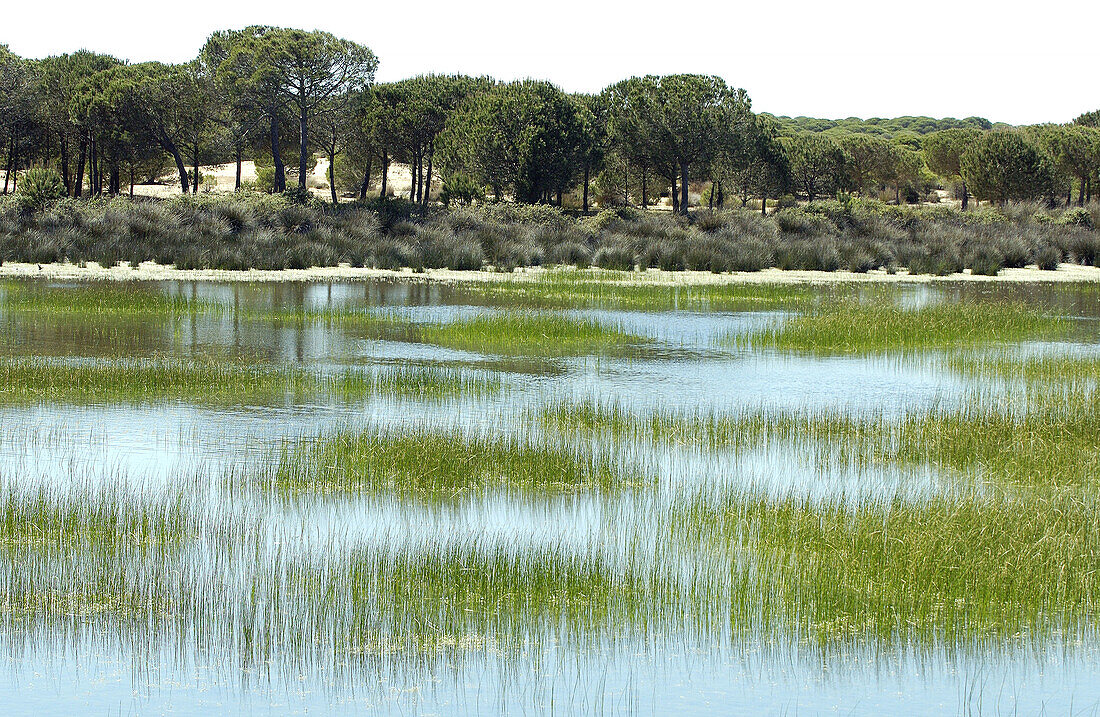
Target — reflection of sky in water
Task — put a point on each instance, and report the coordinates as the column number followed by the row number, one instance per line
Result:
column 689, row 370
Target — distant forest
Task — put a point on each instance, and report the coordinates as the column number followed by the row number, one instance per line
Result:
column 86, row 124
column 895, row 128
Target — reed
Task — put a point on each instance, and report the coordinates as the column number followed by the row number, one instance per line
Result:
column 211, row 381
column 423, row 461
column 884, row 327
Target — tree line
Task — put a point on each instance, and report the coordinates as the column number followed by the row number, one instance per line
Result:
column 282, row 97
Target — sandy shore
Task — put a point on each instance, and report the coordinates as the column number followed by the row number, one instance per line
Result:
column 156, row 272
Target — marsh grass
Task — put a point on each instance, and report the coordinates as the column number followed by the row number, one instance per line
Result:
column 444, row 463
column 84, row 553
column 98, row 301
column 622, row 291
column 211, row 381
column 883, row 327
column 103, row 519
column 470, row 598
column 511, row 333
column 1038, row 438
column 947, row 571
column 1060, row 369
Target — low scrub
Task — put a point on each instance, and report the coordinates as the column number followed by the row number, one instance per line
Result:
column 266, row 231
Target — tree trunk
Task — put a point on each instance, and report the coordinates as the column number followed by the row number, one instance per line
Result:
column 131, row 181
column 428, row 174
column 559, row 197
column 11, row 161
column 385, row 173
column 966, row 197
column 97, row 181
column 645, row 188
column 764, row 205
column 332, row 173
column 721, row 196
column 78, row 185
column 169, row 146
column 1081, row 193
column 710, row 201
column 365, row 186
column 240, row 157
column 675, row 197
column 684, row 189
column 115, row 177
column 585, row 202
column 65, row 178
column 195, row 164
column 414, row 168
column 303, row 147
column 279, row 184
column 91, row 167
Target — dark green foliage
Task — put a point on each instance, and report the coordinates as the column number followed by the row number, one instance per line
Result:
column 40, row 187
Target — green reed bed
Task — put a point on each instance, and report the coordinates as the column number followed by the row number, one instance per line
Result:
column 422, row 461
column 712, row 429
column 465, row 598
column 531, row 335
column 36, row 380
column 1049, row 437
column 100, row 520
column 89, row 553
column 97, row 301
column 627, row 291
column 855, row 328
column 1060, row 369
column 945, row 571
column 513, row 333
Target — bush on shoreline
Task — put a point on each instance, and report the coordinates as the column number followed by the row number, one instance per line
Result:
column 272, row 232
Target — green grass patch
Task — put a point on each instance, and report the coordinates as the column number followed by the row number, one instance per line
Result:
column 611, row 290
column 1046, row 437
column 97, row 301
column 854, row 328
column 471, row 598
column 35, row 380
column 944, row 571
column 425, row 462
column 519, row 333
column 1079, row 370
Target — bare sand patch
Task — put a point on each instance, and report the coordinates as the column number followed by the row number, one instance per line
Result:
column 149, row 271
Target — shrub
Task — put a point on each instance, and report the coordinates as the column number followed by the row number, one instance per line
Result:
column 40, row 187
column 662, row 254
column 571, row 253
column 442, row 249
column 818, row 254
column 798, row 221
column 620, row 258
column 1084, row 247
column 1079, row 217
column 518, row 253
column 1048, row 258
column 985, row 259
column 461, row 189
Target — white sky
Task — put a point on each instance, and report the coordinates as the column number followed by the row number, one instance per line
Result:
column 1007, row 60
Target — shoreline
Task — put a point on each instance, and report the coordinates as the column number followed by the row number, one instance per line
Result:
column 149, row 271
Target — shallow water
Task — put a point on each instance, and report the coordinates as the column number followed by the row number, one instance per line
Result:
column 58, row 669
